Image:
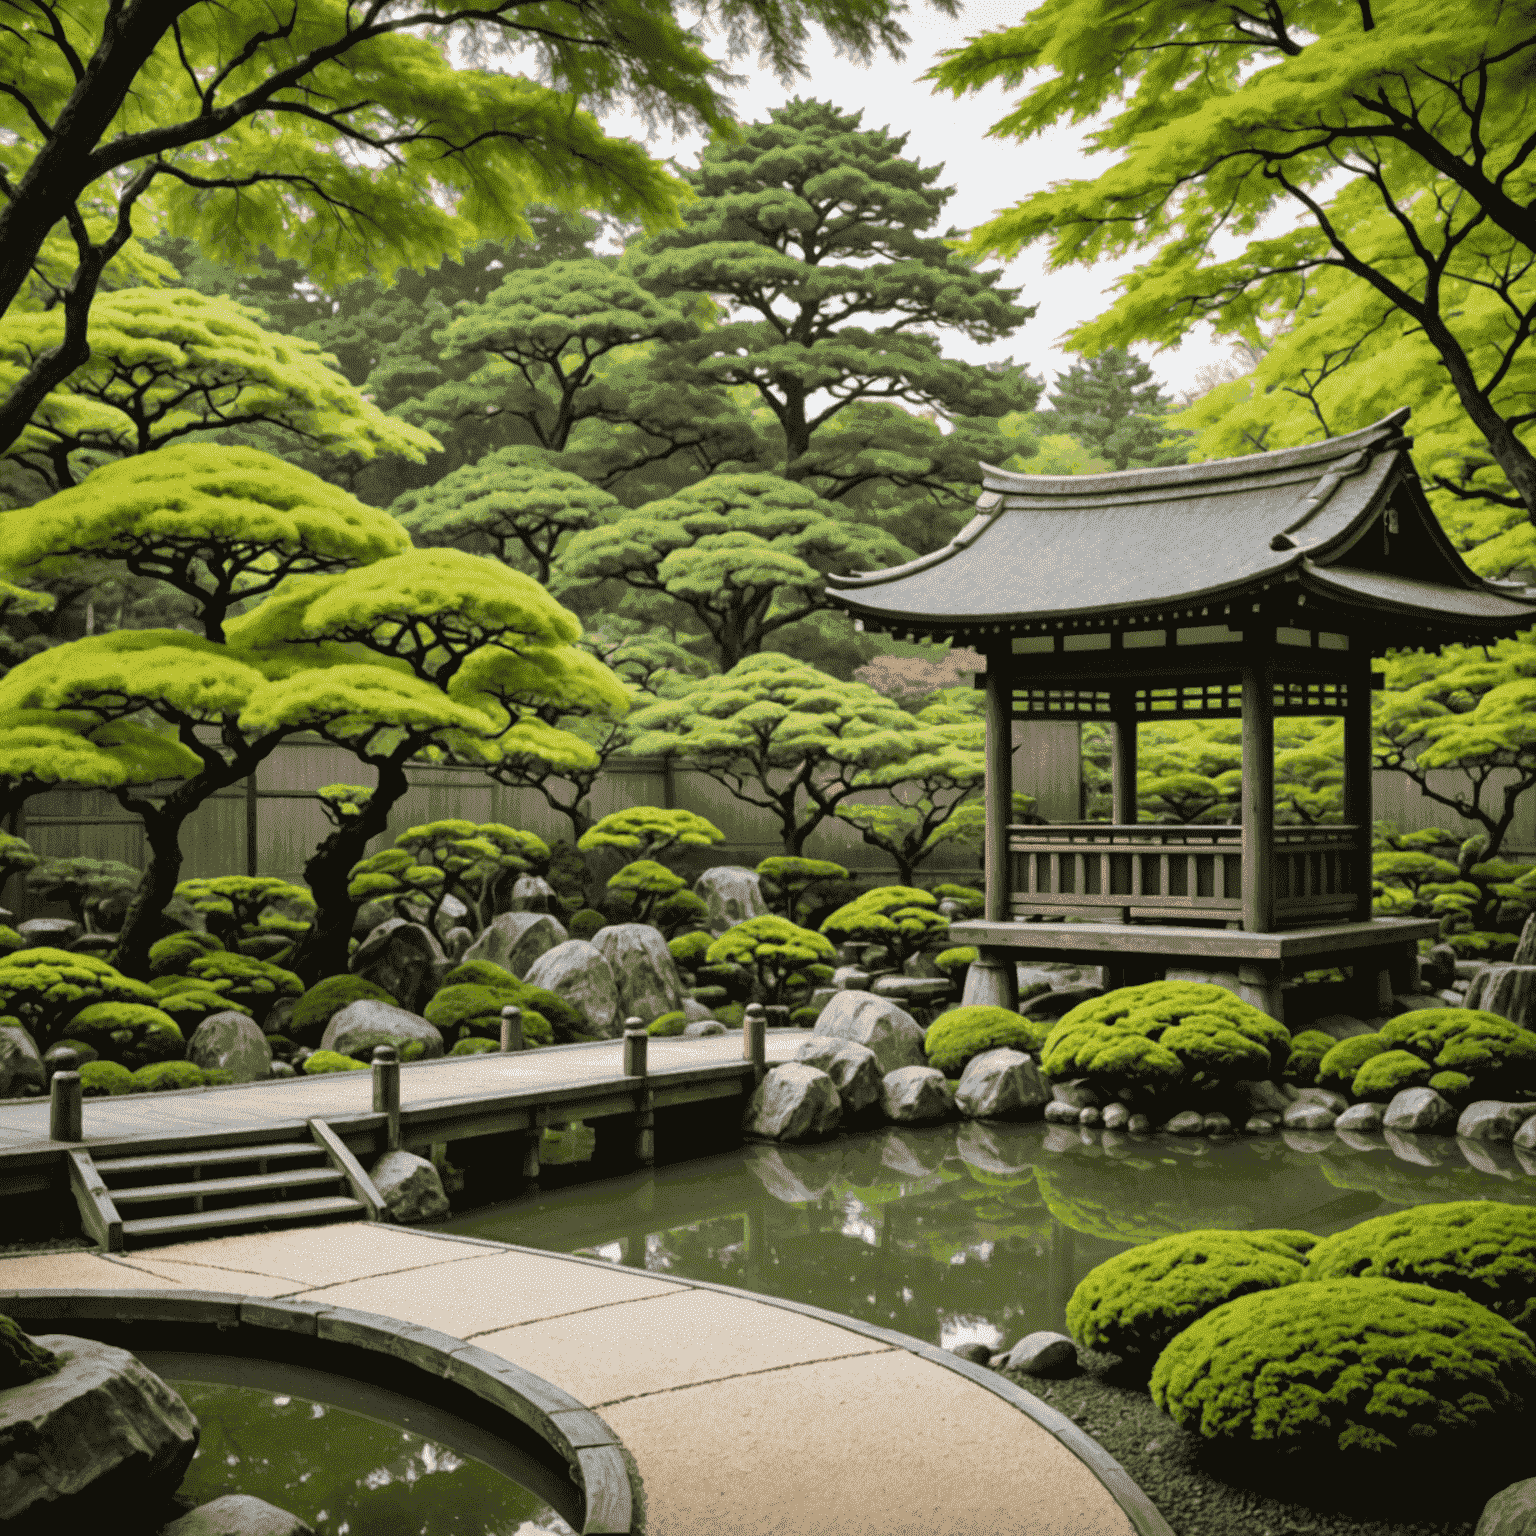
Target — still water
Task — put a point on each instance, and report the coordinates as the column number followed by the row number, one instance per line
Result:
column 977, row 1232
column 353, row 1459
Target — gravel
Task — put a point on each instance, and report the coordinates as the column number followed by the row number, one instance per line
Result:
column 1172, row 1467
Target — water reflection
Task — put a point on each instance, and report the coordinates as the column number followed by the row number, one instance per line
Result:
column 979, row 1231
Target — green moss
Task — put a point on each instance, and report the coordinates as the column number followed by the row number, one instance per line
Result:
column 474, row 1045
column 467, row 1007
column 1136, row 1302
column 804, row 1018
column 1473, row 944
column 585, row 923
column 172, row 955
column 956, row 1036
column 1306, row 1056
column 168, row 1076
column 331, row 1061
column 542, row 1009
column 1347, row 1367
column 953, row 962
column 732, row 1015
column 256, row 983
column 132, row 1033
column 1427, row 1031
column 191, row 1004
column 1389, row 1073
column 480, row 973
column 327, row 998
column 10, row 940
column 1484, row 1249
column 668, row 1024
column 22, row 1358
column 1455, row 1087
column 1499, row 1057
column 98, row 1079
column 1336, row 1071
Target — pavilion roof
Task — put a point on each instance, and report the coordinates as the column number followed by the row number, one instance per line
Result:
column 1343, row 524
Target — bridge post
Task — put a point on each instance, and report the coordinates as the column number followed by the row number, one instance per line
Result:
column 65, row 1101
column 754, row 1046
column 386, row 1093
column 511, row 1028
column 636, row 1065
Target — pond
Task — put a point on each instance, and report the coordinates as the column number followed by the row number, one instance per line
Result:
column 354, row 1459
column 976, row 1231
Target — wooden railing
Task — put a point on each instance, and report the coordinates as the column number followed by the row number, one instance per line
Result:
column 1180, row 873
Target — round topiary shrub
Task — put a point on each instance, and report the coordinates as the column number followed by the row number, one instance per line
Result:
column 731, row 1015
column 256, row 984
column 10, row 942
column 1306, row 1056
column 1484, row 1249
column 474, row 1045
column 189, row 1005
column 1454, row 1087
column 480, row 973
column 99, row 1079
column 131, row 1033
column 1133, row 1304
column 318, row 1062
column 464, row 1011
column 169, row 1076
column 327, row 998
column 1427, row 1031
column 954, row 962
column 667, row 1024
column 585, row 923
column 1385, row 1075
column 1336, row 1071
column 1346, row 1366
column 171, row 956
column 22, row 1358
column 1500, row 1059
column 961, row 1033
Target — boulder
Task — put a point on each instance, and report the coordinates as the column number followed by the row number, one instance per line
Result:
column 1002, row 1085
column 1077, row 1092
column 732, row 893
column 913, row 989
column 1116, row 1116
column 1418, row 1109
column 1059, row 1001
column 577, row 972
column 916, row 1095
column 693, row 1010
column 101, row 944
column 1260, row 1125
column 49, row 932
column 1507, row 990
column 1188, row 1122
column 1217, row 1124
column 1305, row 1115
column 1361, row 1118
column 878, row 1023
column 456, row 943
column 21, row 1067
column 1324, row 1096
column 700, row 1028
column 1259, row 1096
column 412, row 1188
column 973, row 1349
column 853, row 1068
column 1492, row 1120
column 796, row 1176
column 356, row 1029
column 1342, row 1026
column 515, row 940
column 401, row 957
column 643, row 969
column 1526, row 1135
column 1510, row 1512
column 1040, row 1354
column 1090, row 1117
column 231, row 1042
column 794, row 1102
column 533, row 893
column 101, row 1434
column 850, row 978
column 238, row 1514
column 1057, row 1113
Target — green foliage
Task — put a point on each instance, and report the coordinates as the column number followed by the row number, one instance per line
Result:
column 320, row 1062
column 22, row 1358
column 961, row 1033
column 132, row 1033
column 1354, row 1367
column 45, row 988
column 689, row 950
column 315, row 1009
column 101, row 1079
column 256, row 984
column 1455, row 1087
column 1388, row 1073
column 1305, row 1056
column 10, row 940
column 642, row 882
column 480, row 973
column 16, row 856
column 901, row 917
column 785, row 882
column 191, row 1003
column 474, row 1045
column 1136, row 1303
column 1497, row 1055
column 41, row 748
column 1485, row 1249
column 170, row 1076
column 1113, row 404
column 1337, row 1069
column 539, row 1005
column 465, row 1009
column 1427, row 1031
column 239, row 907
column 775, row 951
column 170, row 955
column 650, row 831
column 96, row 890
column 681, row 910
column 668, row 1024
column 955, row 962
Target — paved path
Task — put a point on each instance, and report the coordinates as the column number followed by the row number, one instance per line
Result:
column 744, row 1417
column 292, row 1101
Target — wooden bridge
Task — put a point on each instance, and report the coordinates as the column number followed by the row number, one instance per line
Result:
column 153, row 1167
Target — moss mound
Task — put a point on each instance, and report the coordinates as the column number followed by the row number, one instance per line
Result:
column 131, row 1033
column 1388, row 1074
column 563, row 1022
column 667, row 1024
column 191, row 1004
column 1135, row 1303
column 479, row 973
column 255, row 984
column 99, row 1079
column 172, row 955
column 961, row 1033
column 318, row 1062
column 22, row 1358
column 1336, row 1071
column 585, row 923
column 466, row 1011
column 474, row 1045
column 1427, row 1031
column 1306, row 1055
column 1348, row 1367
column 1484, row 1249
column 168, row 1076
column 325, row 999
column 10, row 940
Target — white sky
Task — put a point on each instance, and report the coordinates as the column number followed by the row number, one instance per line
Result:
column 988, row 175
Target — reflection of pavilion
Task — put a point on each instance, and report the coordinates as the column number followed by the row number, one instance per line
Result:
column 1242, row 588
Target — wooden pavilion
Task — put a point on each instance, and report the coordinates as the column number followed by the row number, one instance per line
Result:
column 1249, row 587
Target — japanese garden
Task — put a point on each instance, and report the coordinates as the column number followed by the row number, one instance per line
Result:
column 627, row 855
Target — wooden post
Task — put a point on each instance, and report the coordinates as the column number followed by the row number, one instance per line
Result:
column 531, row 1145
column 1258, row 786
column 1123, row 808
column 635, row 1065
column 999, row 783
column 511, row 1028
column 754, row 1045
column 386, row 1093
column 1357, row 772
column 65, row 1101
column 635, row 1038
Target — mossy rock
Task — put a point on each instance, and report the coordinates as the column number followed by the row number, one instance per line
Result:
column 475, row 1045
column 465, row 1010
column 804, row 1018
column 255, row 983
column 1306, row 1055
column 1483, row 1249
column 1456, row 1088
column 732, row 1015
column 1427, row 1031
column 548, row 1010
column 10, row 940
column 319, row 1062
column 101, row 1079
column 191, row 1004
column 956, row 1036
column 480, row 973
column 171, row 956
column 170, row 1076
column 1336, row 1071
column 131, row 1033
column 22, row 1358
column 1384, row 1076
column 585, row 923
column 709, row 996
column 1135, row 1303
column 1352, row 1368
column 668, row 1024
column 953, row 962
column 316, row 1008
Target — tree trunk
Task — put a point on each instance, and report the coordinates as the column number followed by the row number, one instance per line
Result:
column 322, row 951
column 143, row 921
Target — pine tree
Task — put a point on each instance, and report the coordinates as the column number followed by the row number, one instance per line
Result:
column 1113, row 404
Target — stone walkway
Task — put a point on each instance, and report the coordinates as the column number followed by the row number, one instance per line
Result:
column 744, row 1416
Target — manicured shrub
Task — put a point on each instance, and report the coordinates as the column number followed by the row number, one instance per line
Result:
column 778, row 954
column 1455, row 1087
column 1134, row 1303
column 585, row 923
column 1427, row 1031
column 45, row 988
column 479, row 973
column 474, row 1045
column 804, row 1018
column 954, row 1037
column 170, row 956
column 464, row 1010
column 327, row 998
column 319, row 1062
column 710, row 996
column 98, row 1079
column 10, row 941
column 191, row 1004
column 1306, row 1056
column 22, row 1358
column 953, row 962
column 684, row 909
column 256, row 983
column 668, row 1024
column 1389, row 1073
column 732, row 1015
column 1357, row 1367
column 1336, row 1071
column 169, row 1076
column 1500, row 1059
column 131, row 1033
column 1485, row 1249
column 1473, row 944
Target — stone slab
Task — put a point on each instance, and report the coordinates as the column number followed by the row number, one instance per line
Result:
column 205, row 1277
column 76, row 1271
column 676, row 1340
